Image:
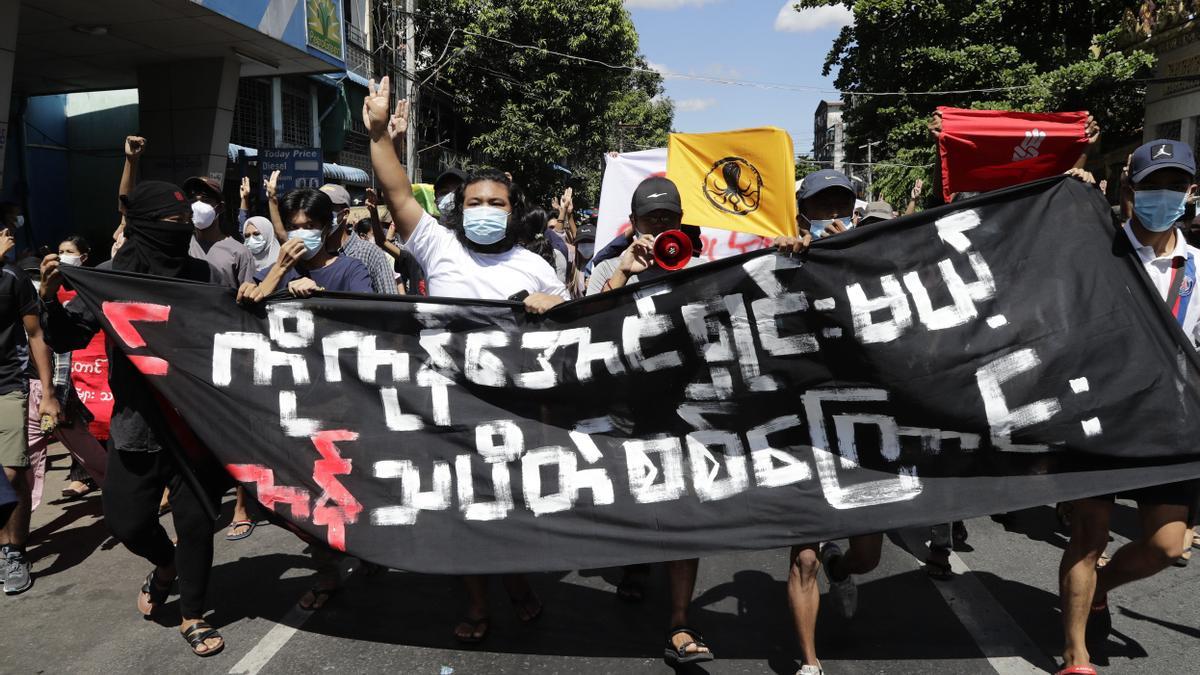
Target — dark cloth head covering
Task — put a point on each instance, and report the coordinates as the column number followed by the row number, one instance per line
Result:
column 155, row 200
column 153, row 245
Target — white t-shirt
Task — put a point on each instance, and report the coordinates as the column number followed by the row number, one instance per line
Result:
column 1161, row 272
column 454, row 271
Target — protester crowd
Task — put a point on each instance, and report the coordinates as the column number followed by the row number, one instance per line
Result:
column 471, row 235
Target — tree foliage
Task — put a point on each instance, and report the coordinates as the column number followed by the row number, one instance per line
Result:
column 526, row 110
column 1063, row 56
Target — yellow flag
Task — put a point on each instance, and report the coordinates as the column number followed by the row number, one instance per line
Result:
column 741, row 180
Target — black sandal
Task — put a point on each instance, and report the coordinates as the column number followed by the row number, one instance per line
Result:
column 198, row 633
column 475, row 625
column 680, row 656
column 158, row 594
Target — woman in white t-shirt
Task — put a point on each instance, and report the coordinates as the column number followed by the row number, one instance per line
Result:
column 473, row 254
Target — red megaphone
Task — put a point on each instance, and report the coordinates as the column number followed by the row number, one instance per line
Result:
column 672, row 250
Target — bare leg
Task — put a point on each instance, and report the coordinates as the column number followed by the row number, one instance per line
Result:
column 524, row 600
column 1163, row 528
column 861, row 557
column 474, row 626
column 16, row 530
column 804, row 596
column 239, row 514
column 1077, row 575
column 681, row 578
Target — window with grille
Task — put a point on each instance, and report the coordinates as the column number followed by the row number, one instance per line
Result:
column 356, row 152
column 252, row 115
column 1171, row 130
column 297, row 117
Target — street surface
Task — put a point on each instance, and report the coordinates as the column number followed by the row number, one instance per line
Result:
column 1000, row 614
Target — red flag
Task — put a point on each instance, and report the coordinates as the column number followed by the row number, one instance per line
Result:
column 985, row 150
column 89, row 375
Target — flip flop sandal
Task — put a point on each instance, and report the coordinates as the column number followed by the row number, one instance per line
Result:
column 522, row 604
column 478, row 626
column 230, row 536
column 1195, row 540
column 157, row 594
column 680, row 656
column 321, row 598
column 1077, row 670
column 73, row 494
column 198, row 633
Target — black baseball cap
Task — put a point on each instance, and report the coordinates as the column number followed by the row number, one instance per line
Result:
column 449, row 174
column 823, row 180
column 585, row 240
column 1162, row 153
column 656, row 193
column 197, row 185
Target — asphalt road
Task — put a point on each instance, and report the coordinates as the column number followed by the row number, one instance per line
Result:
column 998, row 615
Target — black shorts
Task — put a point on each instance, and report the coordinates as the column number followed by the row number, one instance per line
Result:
column 1183, row 493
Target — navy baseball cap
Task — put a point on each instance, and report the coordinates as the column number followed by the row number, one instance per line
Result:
column 824, row 179
column 1162, row 153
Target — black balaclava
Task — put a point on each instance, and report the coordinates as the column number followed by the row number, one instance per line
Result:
column 153, row 245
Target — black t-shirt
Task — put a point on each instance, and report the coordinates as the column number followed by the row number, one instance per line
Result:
column 17, row 299
column 412, row 277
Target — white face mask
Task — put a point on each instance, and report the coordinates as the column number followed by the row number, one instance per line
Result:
column 20, row 220
column 203, row 215
column 69, row 259
column 256, row 243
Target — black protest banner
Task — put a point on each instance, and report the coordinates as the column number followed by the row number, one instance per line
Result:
column 973, row 359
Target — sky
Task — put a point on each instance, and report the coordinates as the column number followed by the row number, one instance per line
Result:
column 762, row 41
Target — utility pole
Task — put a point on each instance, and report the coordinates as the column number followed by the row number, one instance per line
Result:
column 410, row 70
column 870, row 169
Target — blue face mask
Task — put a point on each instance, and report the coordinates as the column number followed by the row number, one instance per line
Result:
column 1158, row 210
column 485, row 225
column 817, row 227
column 312, row 241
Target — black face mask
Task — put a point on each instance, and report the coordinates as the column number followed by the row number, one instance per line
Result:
column 158, row 247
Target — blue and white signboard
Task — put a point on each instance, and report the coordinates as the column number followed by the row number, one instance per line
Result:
column 297, row 167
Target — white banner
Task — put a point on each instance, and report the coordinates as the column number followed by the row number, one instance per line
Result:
column 622, row 173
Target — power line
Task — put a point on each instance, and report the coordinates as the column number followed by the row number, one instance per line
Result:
column 742, row 83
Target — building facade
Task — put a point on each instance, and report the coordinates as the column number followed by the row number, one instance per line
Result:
column 829, row 136
column 211, row 84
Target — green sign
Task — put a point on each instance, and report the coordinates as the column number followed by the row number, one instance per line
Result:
column 323, row 19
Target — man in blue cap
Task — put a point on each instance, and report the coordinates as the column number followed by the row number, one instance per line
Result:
column 1161, row 180
column 825, row 203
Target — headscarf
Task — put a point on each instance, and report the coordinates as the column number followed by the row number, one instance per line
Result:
column 269, row 254
column 152, row 245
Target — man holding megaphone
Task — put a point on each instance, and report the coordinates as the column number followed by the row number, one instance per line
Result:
column 661, row 244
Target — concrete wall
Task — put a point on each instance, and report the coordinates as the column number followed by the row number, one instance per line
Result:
column 186, row 114
column 97, row 124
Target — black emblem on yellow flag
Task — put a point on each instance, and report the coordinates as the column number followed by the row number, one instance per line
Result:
column 734, row 185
